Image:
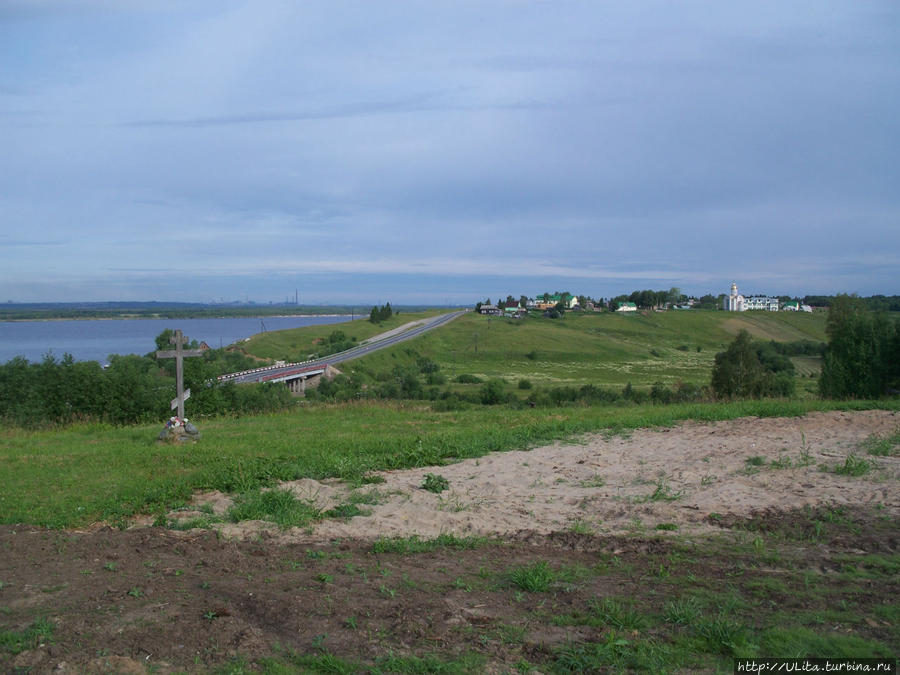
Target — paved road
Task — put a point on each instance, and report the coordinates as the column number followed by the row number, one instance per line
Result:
column 371, row 345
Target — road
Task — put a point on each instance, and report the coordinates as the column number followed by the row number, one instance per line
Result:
column 370, row 345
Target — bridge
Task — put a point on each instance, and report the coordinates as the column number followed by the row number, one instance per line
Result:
column 295, row 375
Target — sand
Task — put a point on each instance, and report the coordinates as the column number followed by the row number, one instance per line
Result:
column 675, row 476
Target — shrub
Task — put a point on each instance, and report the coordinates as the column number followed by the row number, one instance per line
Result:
column 525, row 384
column 435, row 483
column 435, row 378
column 466, row 378
column 493, row 391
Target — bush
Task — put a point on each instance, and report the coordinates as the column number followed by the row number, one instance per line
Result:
column 465, row 378
column 525, row 384
column 426, row 365
column 563, row 394
column 435, row 378
column 493, row 391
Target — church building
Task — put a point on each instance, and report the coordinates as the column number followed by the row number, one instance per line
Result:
column 735, row 302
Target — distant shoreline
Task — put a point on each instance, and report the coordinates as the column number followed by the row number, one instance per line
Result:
column 162, row 317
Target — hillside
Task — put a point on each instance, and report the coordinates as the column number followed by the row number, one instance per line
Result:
column 602, row 349
column 299, row 344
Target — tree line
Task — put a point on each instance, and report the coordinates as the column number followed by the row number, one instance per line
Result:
column 860, row 360
column 131, row 389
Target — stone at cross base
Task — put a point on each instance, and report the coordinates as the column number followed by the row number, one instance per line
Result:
column 184, row 432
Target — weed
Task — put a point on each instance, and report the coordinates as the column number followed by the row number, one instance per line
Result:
column 579, row 526
column 345, row 511
column 594, row 481
column 853, row 466
column 458, row 583
column 882, row 446
column 135, row 592
column 617, row 614
column 277, row 506
column 616, row 654
column 15, row 642
column 324, row 578
column 662, row 492
column 435, row 483
column 350, row 622
column 110, row 566
column 722, row 635
column 534, row 578
column 708, row 479
column 783, row 462
column 210, row 615
column 414, row 544
column 387, row 592
column 682, row 612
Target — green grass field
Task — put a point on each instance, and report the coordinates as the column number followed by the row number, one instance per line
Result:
column 601, row 349
column 298, row 344
column 78, row 475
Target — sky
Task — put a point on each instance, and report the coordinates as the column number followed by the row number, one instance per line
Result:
column 446, row 151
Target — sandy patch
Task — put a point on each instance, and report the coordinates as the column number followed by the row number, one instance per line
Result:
column 607, row 485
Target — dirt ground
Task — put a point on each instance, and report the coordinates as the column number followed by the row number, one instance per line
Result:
column 154, row 600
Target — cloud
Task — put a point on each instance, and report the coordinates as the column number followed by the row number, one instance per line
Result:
column 358, row 147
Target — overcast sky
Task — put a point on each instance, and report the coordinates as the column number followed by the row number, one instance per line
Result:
column 445, row 152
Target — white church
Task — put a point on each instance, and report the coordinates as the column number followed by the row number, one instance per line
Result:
column 735, row 302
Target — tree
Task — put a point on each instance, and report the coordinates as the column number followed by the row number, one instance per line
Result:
column 736, row 369
column 748, row 369
column 862, row 353
column 379, row 314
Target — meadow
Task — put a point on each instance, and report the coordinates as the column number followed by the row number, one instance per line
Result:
column 79, row 475
column 603, row 349
column 85, row 580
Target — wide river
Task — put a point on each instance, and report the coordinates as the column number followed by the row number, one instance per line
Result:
column 95, row 340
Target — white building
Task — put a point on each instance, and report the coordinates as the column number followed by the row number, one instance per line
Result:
column 735, row 302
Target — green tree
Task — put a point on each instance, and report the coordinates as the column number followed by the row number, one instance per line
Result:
column 493, row 391
column 862, row 353
column 737, row 369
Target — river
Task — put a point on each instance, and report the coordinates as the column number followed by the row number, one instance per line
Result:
column 95, row 340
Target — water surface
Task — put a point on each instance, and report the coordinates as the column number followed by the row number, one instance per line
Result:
column 95, row 340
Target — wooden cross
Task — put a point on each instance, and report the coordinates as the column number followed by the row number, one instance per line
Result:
column 179, row 354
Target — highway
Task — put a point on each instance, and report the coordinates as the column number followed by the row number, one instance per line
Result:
column 371, row 345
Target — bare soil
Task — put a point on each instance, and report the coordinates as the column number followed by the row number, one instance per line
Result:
column 247, row 595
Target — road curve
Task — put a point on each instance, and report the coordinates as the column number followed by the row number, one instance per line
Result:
column 371, row 345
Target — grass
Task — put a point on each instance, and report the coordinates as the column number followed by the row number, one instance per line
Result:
column 83, row 474
column 882, row 446
column 600, row 348
column 277, row 506
column 853, row 466
column 15, row 642
column 297, row 344
column 414, row 544
column 534, row 578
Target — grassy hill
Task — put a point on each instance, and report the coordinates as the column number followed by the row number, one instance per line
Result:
column 602, row 348
column 299, row 344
